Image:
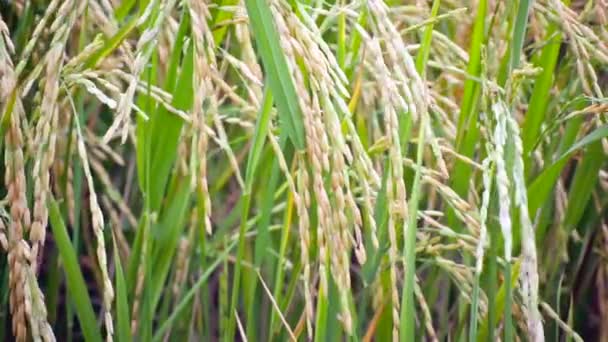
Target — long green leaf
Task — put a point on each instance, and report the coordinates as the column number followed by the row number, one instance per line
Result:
column 277, row 71
column 181, row 306
column 542, row 185
column 500, row 303
column 77, row 288
column 584, row 181
column 123, row 319
column 540, row 95
column 236, row 281
column 259, row 137
column 468, row 132
column 166, row 129
column 407, row 324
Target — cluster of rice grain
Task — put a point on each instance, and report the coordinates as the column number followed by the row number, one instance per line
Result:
column 26, row 300
column 97, row 221
column 15, row 183
column 302, row 201
column 396, row 195
column 402, row 92
column 322, row 101
column 203, row 47
column 145, row 47
column 48, row 125
column 585, row 43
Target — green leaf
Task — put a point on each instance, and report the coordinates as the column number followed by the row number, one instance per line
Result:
column 541, row 187
column 77, row 288
column 540, row 95
column 111, row 43
column 123, row 319
column 165, row 132
column 167, row 233
column 259, row 138
column 229, row 333
column 468, row 132
column 370, row 268
column 220, row 17
column 584, row 181
column 123, row 9
column 499, row 307
column 277, row 71
column 182, row 305
column 407, row 324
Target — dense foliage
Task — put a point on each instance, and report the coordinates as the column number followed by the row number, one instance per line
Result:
column 303, row 170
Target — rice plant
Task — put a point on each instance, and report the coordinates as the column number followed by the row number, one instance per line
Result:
column 269, row 170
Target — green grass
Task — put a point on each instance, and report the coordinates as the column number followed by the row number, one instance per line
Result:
column 296, row 102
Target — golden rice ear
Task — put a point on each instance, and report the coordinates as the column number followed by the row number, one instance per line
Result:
column 15, row 181
column 97, row 223
column 204, row 64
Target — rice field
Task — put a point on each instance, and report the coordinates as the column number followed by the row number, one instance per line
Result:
column 280, row 170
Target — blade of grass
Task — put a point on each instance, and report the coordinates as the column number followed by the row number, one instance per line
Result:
column 355, row 45
column 276, row 308
column 501, row 302
column 491, row 281
column 476, row 286
column 259, row 137
column 236, row 278
column 540, row 95
column 279, row 274
column 143, row 260
column 470, row 95
column 408, row 310
column 168, row 232
column 541, row 187
column 385, row 325
column 154, row 172
column 25, row 26
column 268, row 199
column 123, row 330
column 515, row 48
column 189, row 296
column 333, row 326
column 321, row 316
column 519, row 32
column 263, row 237
column 111, row 43
column 508, row 318
column 123, row 9
column 371, row 267
column 291, row 287
column 222, row 14
column 166, row 129
column 467, row 130
column 425, row 46
column 543, row 214
column 277, row 71
column 75, row 281
column 8, row 112
column 408, row 315
column 584, row 181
